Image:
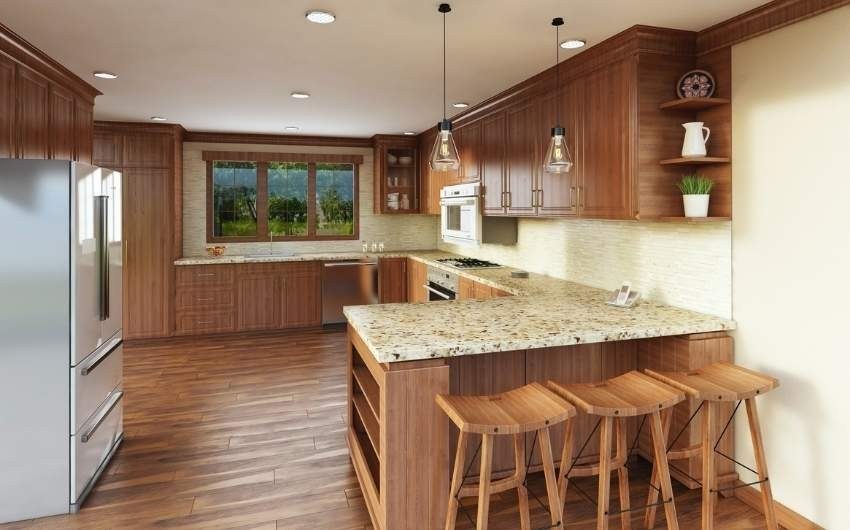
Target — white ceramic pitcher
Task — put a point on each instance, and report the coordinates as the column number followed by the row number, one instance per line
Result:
column 694, row 145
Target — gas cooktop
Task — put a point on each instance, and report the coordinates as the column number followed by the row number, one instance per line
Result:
column 468, row 263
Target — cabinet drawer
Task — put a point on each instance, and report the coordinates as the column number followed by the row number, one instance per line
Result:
column 92, row 381
column 204, row 275
column 92, row 444
column 206, row 322
column 202, row 300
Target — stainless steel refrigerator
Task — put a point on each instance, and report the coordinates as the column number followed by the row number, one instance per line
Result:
column 60, row 333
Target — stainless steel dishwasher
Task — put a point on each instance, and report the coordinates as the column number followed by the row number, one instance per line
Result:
column 350, row 282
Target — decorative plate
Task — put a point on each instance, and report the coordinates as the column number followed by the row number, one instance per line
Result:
column 696, row 84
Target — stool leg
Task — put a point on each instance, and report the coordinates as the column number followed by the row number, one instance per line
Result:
column 604, row 500
column 651, row 509
column 521, row 490
column 709, row 472
column 664, row 472
column 555, row 508
column 484, row 481
column 623, row 476
column 457, row 477
column 566, row 462
column 761, row 463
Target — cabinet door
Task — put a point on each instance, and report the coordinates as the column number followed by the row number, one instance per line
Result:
column 493, row 163
column 606, row 180
column 465, row 288
column 469, row 148
column 257, row 303
column 392, row 280
column 62, row 125
column 106, row 150
column 301, row 296
column 148, row 267
column 556, row 195
column 32, row 114
column 521, row 158
column 147, row 150
column 7, row 108
column 83, row 132
column 481, row 291
column 417, row 277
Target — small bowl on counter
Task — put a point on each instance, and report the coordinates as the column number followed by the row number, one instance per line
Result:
column 405, row 160
column 216, row 251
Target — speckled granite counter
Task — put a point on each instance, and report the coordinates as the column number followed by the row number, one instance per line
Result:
column 544, row 312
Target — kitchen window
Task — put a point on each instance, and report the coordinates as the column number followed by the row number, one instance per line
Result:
column 281, row 197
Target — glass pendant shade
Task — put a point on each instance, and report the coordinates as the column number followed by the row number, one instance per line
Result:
column 444, row 155
column 558, row 158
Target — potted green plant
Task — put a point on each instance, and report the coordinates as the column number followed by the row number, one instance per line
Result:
column 695, row 193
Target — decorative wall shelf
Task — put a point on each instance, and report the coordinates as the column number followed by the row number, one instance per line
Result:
column 696, row 161
column 694, row 104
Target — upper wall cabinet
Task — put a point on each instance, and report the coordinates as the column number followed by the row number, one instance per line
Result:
column 610, row 103
column 396, row 174
column 45, row 110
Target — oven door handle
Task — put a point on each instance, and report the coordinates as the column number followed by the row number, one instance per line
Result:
column 438, row 293
column 470, row 201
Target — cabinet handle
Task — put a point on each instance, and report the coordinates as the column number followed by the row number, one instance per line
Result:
column 581, row 196
column 510, row 199
column 204, row 274
column 540, row 198
column 203, row 322
column 204, row 299
column 533, row 198
column 572, row 196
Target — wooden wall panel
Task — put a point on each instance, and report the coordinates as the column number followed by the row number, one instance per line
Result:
column 83, row 132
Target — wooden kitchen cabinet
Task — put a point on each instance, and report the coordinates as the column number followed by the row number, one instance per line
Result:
column 556, row 191
column 468, row 141
column 300, row 286
column 392, row 280
column 33, row 114
column 257, row 296
column 62, row 126
column 417, row 277
column 150, row 160
column 7, row 107
column 493, row 164
column 396, row 174
column 206, row 301
column 521, row 157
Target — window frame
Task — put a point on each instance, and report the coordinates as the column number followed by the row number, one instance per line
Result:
column 262, row 160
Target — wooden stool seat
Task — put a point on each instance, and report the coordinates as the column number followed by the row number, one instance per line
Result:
column 630, row 394
column 530, row 408
column 720, row 381
column 523, row 409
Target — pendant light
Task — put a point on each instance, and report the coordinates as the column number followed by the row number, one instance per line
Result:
column 444, row 155
column 558, row 159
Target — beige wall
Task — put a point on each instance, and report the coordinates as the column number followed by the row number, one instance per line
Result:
column 398, row 232
column 791, row 254
column 683, row 264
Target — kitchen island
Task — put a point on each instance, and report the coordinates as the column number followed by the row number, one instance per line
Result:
column 402, row 355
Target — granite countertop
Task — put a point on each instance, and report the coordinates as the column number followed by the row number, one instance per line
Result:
column 544, row 312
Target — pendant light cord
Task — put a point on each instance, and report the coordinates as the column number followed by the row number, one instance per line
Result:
column 558, row 75
column 444, row 65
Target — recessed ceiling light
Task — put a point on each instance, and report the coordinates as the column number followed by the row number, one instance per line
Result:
column 460, row 105
column 573, row 44
column 105, row 75
column 158, row 118
column 291, row 128
column 300, row 95
column 320, row 16
column 409, row 133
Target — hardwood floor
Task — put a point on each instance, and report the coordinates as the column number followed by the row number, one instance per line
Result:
column 247, row 432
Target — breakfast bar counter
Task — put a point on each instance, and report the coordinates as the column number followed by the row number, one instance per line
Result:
column 402, row 355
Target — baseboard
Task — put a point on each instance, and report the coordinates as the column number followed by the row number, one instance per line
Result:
column 785, row 516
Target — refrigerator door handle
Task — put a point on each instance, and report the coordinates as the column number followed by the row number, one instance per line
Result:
column 101, row 215
column 116, row 397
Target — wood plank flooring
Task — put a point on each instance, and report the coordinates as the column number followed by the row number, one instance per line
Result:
column 247, row 432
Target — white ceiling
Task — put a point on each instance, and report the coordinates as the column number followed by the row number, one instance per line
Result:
column 230, row 65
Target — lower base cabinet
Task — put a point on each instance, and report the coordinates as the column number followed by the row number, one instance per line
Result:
column 249, row 297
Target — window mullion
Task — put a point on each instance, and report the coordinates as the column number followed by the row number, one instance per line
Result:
column 263, row 202
column 312, row 219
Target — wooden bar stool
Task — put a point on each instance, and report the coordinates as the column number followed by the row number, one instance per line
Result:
column 531, row 408
column 626, row 396
column 721, row 382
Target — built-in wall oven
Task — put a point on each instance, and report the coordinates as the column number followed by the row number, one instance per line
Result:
column 441, row 285
column 461, row 221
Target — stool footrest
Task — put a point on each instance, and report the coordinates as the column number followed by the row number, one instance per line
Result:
column 496, row 486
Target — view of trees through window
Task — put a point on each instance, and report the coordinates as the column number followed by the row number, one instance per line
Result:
column 301, row 200
column 235, row 199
